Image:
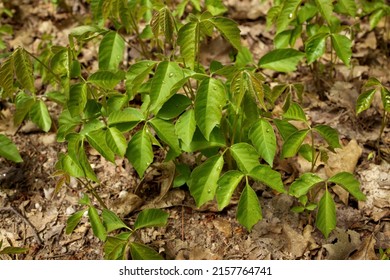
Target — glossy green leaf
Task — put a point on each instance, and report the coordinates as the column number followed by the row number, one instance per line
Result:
column 140, row 251
column 303, row 184
column 139, row 151
column 185, row 127
column 188, row 41
column 263, row 138
column 39, row 115
column 166, row 132
column 330, row 135
column 229, row 30
column 215, row 7
column 73, row 221
column 385, row 95
column 151, row 218
column 116, row 141
column 364, row 100
column 226, row 186
column 23, row 104
column 287, row 14
column 343, row 47
column 268, row 176
column 7, row 77
column 77, row 99
column 209, row 101
column 315, row 47
column 126, row 119
column 306, row 151
column 245, row 156
column 174, row 107
column 166, row 76
column 293, row 143
column 348, row 182
column 248, row 209
column 285, row 128
column 97, row 139
column 295, row 112
column 281, row 60
column 204, row 178
column 111, row 221
column 326, row 215
column 97, row 226
column 24, row 69
column 8, row 149
column 111, row 51
column 325, row 7
column 114, row 247
column 106, row 79
column 136, row 75
column 348, row 7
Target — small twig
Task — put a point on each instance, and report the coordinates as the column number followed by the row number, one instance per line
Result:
column 17, row 213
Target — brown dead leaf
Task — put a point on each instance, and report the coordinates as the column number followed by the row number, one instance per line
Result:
column 126, row 203
column 366, row 251
column 297, row 243
column 343, row 244
column 345, row 159
column 223, row 226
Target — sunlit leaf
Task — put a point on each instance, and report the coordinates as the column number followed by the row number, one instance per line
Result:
column 97, row 139
column 188, row 41
column 268, row 176
column 293, row 143
column 303, row 184
column 343, row 47
column 7, row 77
column 326, row 215
column 330, row 135
column 248, row 209
column 364, row 100
column 245, row 156
column 77, row 99
column 97, row 226
column 315, row 47
column 139, row 151
column 111, row 221
column 385, row 95
column 295, row 112
column 185, row 127
column 39, row 115
column 73, row 221
column 204, row 178
column 325, row 7
column 111, row 51
column 106, row 79
column 23, row 104
column 140, row 251
column 281, row 60
column 226, row 186
column 151, row 218
column 8, row 150
column 24, row 69
column 263, row 138
column 229, row 30
column 116, row 141
column 166, row 132
column 348, row 182
column 287, row 14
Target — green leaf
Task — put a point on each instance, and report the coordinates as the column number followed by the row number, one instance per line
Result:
column 245, row 155
column 226, row 186
column 385, row 95
column 281, row 60
column 185, row 127
column 24, row 69
column 325, row 7
column 330, row 135
column 166, row 76
column 111, row 221
column 343, row 47
column 59, row 63
column 151, row 218
column 139, row 151
column 23, row 104
column 166, row 132
column 8, row 150
column 204, row 178
column 268, row 176
column 348, row 182
column 364, row 101
column 285, row 128
column 295, row 112
column 287, row 14
column 73, row 221
column 111, row 51
column 199, row 143
column 126, row 119
column 303, row 184
column 163, row 23
column 97, row 139
column 248, row 209
column 229, row 30
column 293, row 143
column 142, row 252
column 348, row 7
column 40, row 115
column 116, row 141
column 306, row 151
column 114, row 247
column 174, row 107
column 244, row 57
column 326, row 215
column 209, row 101
column 315, row 47
column 7, row 77
column 188, row 41
column 97, row 226
column 263, row 139
column 106, row 79
column 137, row 74
column 77, row 99
column 375, row 17
column 13, row 250
column 215, row 7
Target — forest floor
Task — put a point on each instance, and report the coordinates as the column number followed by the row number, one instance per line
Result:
column 34, row 216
